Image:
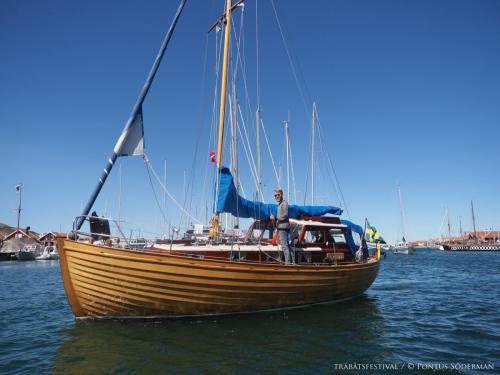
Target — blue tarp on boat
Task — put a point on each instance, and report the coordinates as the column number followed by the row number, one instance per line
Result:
column 351, row 227
column 230, row 201
column 354, row 227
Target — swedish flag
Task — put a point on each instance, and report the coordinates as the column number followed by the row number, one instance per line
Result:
column 372, row 234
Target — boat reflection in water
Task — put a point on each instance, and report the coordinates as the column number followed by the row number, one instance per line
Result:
column 309, row 339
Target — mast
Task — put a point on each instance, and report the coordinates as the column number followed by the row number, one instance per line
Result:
column 460, row 223
column 215, row 231
column 449, row 224
column 259, row 163
column 312, row 151
column 234, row 145
column 287, row 136
column 473, row 219
column 19, row 188
column 131, row 125
column 257, row 113
column 165, row 232
column 289, row 145
column 403, row 222
column 223, row 90
column 120, row 195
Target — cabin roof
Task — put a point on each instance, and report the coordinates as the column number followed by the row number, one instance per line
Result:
column 315, row 223
column 55, row 234
column 30, row 235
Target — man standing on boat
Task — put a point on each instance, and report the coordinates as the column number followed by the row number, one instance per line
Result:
column 283, row 225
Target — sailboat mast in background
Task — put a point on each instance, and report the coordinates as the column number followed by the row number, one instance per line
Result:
column 19, row 189
column 402, row 213
column 313, row 135
column 473, row 219
column 449, row 223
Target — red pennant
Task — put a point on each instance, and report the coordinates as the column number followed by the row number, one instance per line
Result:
column 211, row 154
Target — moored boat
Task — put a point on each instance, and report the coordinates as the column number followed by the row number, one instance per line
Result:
column 28, row 252
column 472, row 247
column 7, row 255
column 48, row 253
column 476, row 241
column 403, row 249
column 102, row 281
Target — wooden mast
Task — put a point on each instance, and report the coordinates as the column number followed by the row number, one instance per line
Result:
column 214, row 232
column 222, row 112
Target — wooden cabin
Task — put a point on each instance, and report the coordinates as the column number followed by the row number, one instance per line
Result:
column 23, row 234
column 18, row 239
column 50, row 238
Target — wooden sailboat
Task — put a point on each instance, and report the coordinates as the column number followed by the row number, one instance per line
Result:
column 186, row 279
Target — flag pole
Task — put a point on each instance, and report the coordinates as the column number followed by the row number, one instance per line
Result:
column 135, row 116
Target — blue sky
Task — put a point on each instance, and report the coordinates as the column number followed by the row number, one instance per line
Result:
column 406, row 91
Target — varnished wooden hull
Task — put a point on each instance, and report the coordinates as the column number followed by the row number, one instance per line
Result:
column 107, row 282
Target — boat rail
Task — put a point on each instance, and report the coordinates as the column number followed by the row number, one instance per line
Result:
column 106, row 238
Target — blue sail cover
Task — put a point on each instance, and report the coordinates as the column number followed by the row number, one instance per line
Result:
column 354, row 227
column 351, row 227
column 230, row 201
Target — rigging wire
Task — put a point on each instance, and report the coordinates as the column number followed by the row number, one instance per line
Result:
column 213, row 130
column 296, row 71
column 207, row 165
column 336, row 181
column 247, row 102
column 283, row 163
column 257, row 51
column 291, row 163
column 309, row 157
column 248, row 151
column 187, row 202
column 269, row 149
column 290, row 60
column 181, row 208
column 156, row 196
column 233, row 101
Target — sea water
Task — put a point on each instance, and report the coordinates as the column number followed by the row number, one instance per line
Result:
column 434, row 311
